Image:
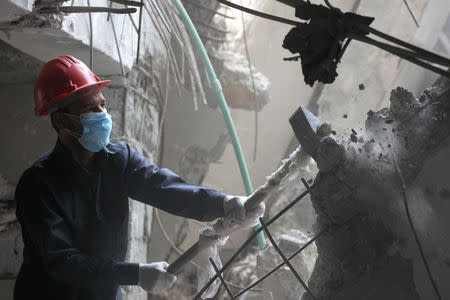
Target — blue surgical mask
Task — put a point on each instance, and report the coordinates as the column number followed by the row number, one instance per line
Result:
column 96, row 130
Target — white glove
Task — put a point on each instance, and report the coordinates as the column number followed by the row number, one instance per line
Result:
column 234, row 210
column 154, row 278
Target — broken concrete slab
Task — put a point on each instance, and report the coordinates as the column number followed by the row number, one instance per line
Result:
column 283, row 284
column 370, row 252
column 46, row 36
column 237, row 83
column 374, row 255
column 329, row 154
column 13, row 10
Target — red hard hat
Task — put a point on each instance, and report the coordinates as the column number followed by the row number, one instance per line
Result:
column 59, row 78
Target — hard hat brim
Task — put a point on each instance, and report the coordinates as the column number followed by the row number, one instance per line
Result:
column 69, row 99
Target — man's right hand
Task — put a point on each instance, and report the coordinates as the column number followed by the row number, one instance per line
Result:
column 154, row 278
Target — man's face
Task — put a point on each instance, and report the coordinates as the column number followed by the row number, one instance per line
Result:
column 89, row 100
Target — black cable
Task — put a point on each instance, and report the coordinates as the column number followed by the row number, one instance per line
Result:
column 402, row 53
column 247, row 53
column 329, row 4
column 91, row 39
column 431, row 56
column 347, row 42
column 420, row 52
column 259, row 14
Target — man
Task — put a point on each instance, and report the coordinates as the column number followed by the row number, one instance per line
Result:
column 73, row 202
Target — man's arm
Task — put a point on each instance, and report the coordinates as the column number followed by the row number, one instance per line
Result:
column 45, row 230
column 166, row 190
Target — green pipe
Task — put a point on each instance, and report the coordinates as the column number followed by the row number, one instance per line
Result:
column 222, row 103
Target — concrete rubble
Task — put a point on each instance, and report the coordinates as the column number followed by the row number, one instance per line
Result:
column 369, row 251
column 237, row 82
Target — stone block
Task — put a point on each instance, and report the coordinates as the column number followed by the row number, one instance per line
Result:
column 283, row 284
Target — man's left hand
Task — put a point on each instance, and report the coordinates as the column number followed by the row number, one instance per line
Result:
column 235, row 212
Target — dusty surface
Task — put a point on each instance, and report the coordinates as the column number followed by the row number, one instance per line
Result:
column 370, row 251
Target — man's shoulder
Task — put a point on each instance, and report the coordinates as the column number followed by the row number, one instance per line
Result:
column 124, row 152
column 38, row 168
column 118, row 148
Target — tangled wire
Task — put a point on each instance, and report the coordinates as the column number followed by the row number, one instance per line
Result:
column 319, row 42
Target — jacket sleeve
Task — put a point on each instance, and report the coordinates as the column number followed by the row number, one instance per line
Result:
column 166, row 190
column 49, row 236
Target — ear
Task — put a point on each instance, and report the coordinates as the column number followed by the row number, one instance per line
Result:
column 58, row 120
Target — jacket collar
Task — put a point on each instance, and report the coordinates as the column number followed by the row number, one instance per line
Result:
column 63, row 154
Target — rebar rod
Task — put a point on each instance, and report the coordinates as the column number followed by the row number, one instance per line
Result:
column 194, row 3
column 109, row 14
column 128, row 2
column 221, row 278
column 122, row 69
column 184, row 40
column 161, row 15
column 132, row 21
column 91, row 39
column 169, row 49
column 277, row 248
column 210, row 26
column 413, row 16
column 139, row 33
column 177, row 29
column 259, row 14
column 214, row 39
column 251, row 286
column 168, row 43
column 56, row 3
column 194, row 92
column 305, row 183
column 129, row 15
column 84, row 9
column 253, row 235
column 165, row 101
column 247, row 54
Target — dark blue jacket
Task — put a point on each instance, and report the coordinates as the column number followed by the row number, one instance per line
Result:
column 74, row 223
